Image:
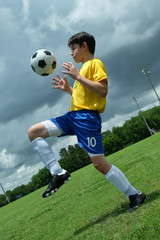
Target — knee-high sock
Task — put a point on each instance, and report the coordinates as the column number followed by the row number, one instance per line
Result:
column 118, row 179
column 46, row 154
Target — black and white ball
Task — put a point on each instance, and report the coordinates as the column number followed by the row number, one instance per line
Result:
column 43, row 62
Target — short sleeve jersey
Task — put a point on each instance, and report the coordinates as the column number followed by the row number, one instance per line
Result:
column 83, row 98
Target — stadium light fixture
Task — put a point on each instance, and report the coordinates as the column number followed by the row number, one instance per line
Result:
column 147, row 73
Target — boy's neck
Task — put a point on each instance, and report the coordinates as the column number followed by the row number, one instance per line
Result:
column 87, row 57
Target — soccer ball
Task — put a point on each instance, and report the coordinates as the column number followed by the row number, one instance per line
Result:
column 43, row 62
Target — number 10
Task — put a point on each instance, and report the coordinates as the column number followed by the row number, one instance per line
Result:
column 91, row 142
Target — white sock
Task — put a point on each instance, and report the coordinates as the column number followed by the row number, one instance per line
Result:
column 46, row 154
column 118, row 179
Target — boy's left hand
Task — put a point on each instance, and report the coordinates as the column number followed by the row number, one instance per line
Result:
column 72, row 70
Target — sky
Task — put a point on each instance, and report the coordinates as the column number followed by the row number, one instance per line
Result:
column 127, row 37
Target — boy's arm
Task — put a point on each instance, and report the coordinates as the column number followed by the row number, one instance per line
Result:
column 62, row 84
column 100, row 87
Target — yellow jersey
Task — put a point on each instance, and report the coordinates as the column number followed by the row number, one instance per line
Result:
column 83, row 98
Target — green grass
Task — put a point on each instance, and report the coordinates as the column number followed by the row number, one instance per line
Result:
column 89, row 207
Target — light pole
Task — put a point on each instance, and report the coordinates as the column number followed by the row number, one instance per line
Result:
column 7, row 198
column 147, row 73
column 149, row 129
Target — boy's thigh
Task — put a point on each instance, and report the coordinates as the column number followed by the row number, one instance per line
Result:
column 52, row 128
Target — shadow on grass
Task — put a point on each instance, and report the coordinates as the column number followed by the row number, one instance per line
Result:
column 116, row 212
column 152, row 196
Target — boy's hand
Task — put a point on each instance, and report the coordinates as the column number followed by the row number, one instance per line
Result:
column 72, row 70
column 61, row 84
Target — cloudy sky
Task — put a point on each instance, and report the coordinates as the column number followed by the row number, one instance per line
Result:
column 127, row 36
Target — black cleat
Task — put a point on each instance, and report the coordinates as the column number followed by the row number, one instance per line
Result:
column 56, row 182
column 136, row 200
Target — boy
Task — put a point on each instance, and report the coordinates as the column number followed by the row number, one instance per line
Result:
column 83, row 120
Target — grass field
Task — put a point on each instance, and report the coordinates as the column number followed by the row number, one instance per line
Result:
column 89, row 207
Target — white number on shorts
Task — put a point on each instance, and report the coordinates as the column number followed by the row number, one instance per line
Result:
column 91, row 142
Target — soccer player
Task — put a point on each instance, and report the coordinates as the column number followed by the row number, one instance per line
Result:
column 88, row 100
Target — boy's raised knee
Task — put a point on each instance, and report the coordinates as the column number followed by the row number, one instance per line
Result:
column 37, row 130
column 31, row 133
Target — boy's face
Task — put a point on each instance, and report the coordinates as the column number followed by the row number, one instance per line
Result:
column 77, row 52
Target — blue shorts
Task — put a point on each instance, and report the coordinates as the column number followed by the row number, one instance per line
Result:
column 86, row 125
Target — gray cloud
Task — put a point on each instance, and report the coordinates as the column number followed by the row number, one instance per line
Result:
column 125, row 73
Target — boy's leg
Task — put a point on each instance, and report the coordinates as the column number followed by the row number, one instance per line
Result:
column 42, row 148
column 37, row 130
column 101, row 164
column 113, row 175
column 37, row 134
column 118, row 179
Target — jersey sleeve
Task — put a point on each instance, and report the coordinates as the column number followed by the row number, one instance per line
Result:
column 99, row 71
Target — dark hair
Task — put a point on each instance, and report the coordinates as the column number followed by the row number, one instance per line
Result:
column 82, row 37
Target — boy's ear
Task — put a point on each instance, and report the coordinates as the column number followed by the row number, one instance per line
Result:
column 85, row 46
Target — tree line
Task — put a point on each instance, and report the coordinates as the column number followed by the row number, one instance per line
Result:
column 73, row 158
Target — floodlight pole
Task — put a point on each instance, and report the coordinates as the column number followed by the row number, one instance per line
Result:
column 147, row 73
column 7, row 198
column 143, row 116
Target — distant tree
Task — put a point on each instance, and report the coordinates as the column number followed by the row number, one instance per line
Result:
column 106, row 134
column 153, row 117
column 132, row 131
column 73, row 158
column 63, row 153
column 3, row 200
column 41, row 178
column 111, row 144
column 11, row 195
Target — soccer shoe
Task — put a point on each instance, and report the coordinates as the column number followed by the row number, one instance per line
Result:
column 56, row 182
column 136, row 200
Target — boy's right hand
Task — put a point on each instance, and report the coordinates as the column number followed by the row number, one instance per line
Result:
column 61, row 84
